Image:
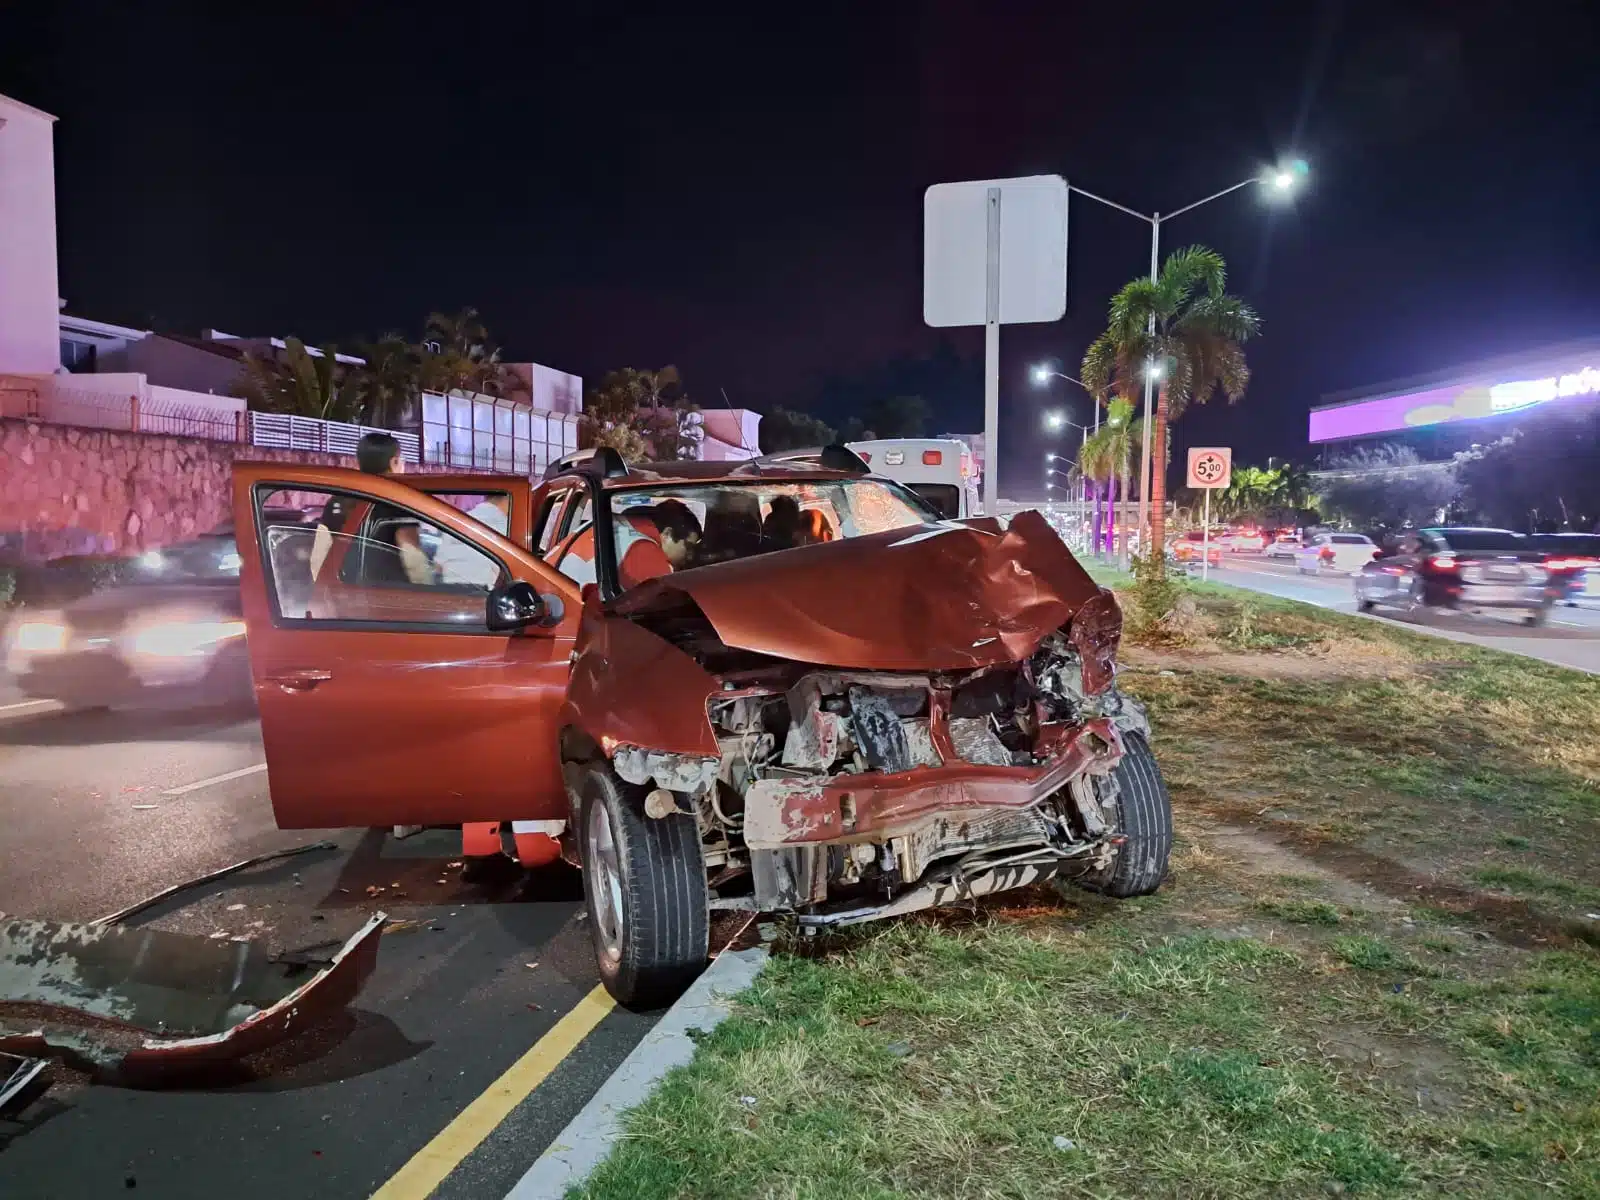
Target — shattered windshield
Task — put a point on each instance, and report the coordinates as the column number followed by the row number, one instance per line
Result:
column 679, row 526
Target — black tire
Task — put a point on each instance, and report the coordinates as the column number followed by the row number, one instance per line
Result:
column 660, row 940
column 1537, row 617
column 1144, row 817
column 1365, row 605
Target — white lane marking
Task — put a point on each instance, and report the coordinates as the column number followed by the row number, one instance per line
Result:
column 28, row 707
column 205, row 783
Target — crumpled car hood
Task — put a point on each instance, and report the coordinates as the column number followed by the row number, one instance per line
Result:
column 930, row 597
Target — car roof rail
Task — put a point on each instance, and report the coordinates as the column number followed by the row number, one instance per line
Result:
column 603, row 461
column 836, row 457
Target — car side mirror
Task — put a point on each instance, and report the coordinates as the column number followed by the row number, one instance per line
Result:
column 516, row 605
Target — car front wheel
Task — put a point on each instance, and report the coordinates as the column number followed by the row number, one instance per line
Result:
column 1144, row 819
column 645, row 887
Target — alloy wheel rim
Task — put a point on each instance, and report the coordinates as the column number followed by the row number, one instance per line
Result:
column 605, row 885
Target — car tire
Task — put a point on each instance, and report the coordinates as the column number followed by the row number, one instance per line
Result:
column 1144, row 818
column 1537, row 618
column 645, row 890
column 1364, row 605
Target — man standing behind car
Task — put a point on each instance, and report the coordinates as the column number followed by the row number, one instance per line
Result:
column 376, row 454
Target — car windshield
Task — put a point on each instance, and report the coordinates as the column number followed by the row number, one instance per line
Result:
column 1482, row 539
column 690, row 525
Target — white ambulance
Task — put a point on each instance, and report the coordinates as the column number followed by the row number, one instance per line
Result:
column 941, row 471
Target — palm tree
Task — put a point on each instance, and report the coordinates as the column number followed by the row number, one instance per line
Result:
column 299, row 381
column 460, row 357
column 1097, row 464
column 1197, row 348
column 1252, row 492
column 652, row 405
column 387, row 388
column 1116, row 445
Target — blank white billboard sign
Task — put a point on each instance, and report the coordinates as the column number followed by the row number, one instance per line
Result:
column 1032, row 214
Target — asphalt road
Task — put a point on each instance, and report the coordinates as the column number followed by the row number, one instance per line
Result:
column 1570, row 639
column 100, row 810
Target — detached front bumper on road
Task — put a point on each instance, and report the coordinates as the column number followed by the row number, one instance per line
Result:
column 145, row 1003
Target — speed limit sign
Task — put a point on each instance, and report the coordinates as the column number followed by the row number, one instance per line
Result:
column 1210, row 466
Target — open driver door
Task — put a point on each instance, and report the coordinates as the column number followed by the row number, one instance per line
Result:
column 390, row 695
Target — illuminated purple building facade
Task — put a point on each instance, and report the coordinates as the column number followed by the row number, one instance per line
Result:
column 1438, row 416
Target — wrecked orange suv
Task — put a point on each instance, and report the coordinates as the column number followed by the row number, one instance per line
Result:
column 782, row 685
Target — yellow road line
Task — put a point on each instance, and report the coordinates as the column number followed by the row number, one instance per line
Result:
column 428, row 1167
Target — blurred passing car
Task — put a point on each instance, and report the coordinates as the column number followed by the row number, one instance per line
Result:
column 1284, row 545
column 1461, row 568
column 1341, row 552
column 1573, row 560
column 1188, row 547
column 1247, row 540
column 165, row 630
column 171, row 636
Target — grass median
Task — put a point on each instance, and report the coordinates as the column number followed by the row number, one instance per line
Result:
column 1369, row 972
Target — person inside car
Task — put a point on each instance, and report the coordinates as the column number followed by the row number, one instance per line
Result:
column 652, row 541
column 656, row 541
column 377, row 454
column 781, row 529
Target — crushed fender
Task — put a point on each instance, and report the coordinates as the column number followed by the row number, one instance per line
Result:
column 145, row 1003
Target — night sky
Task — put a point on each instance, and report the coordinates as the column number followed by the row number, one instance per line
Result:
column 738, row 190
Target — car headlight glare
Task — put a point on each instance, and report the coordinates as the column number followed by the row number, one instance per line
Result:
column 180, row 639
column 40, row 637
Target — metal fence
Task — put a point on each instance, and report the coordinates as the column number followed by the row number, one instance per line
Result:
column 470, row 433
column 280, row 431
column 128, row 413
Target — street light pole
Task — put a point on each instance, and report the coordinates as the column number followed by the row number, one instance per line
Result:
column 1283, row 181
column 1054, row 420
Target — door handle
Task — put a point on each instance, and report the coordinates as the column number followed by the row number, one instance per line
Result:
column 299, row 680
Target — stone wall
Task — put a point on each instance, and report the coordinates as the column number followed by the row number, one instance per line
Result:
column 68, row 490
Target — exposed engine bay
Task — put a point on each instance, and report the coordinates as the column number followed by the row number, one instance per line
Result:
column 847, row 796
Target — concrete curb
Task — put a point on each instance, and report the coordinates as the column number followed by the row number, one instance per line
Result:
column 588, row 1139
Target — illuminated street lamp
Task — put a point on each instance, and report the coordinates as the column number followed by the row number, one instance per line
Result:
column 1277, row 183
column 1042, row 374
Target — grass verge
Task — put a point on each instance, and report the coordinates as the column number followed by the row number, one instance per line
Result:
column 1361, row 976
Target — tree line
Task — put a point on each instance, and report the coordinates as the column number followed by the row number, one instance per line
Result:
column 455, row 355
column 644, row 414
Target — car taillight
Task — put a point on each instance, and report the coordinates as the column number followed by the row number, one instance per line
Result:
column 932, row 458
column 1570, row 563
column 866, row 456
column 1442, row 562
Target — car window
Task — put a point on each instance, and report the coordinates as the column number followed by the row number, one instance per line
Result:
column 1351, row 539
column 1482, row 539
column 575, row 559
column 370, row 562
column 1569, row 543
